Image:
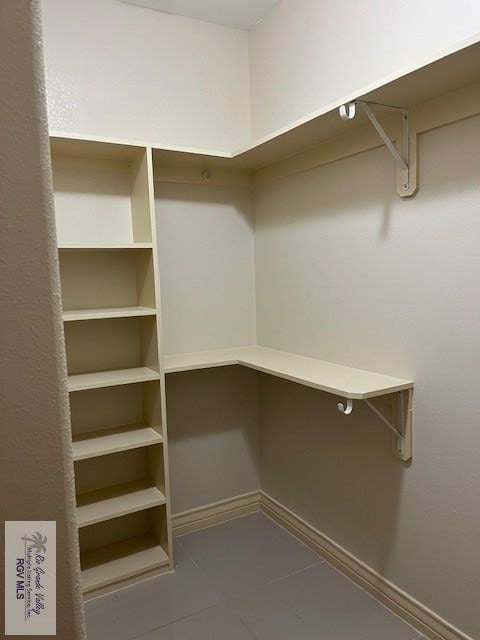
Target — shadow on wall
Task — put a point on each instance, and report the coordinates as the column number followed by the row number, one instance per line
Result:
column 213, row 435
column 208, row 196
column 317, row 461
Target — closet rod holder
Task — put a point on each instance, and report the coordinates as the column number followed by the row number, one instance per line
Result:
column 348, row 112
column 400, row 425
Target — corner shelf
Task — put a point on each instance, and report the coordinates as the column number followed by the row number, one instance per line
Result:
column 103, row 314
column 114, row 502
column 352, row 384
column 319, row 374
column 120, row 561
column 101, row 443
column 83, row 381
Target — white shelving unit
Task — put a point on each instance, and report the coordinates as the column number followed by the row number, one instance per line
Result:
column 110, row 289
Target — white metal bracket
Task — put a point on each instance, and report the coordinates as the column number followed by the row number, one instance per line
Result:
column 348, row 112
column 401, row 423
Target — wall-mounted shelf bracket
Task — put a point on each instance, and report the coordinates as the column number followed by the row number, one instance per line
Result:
column 400, row 424
column 402, row 160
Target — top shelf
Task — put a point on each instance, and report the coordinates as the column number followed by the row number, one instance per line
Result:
column 429, row 78
column 318, row 374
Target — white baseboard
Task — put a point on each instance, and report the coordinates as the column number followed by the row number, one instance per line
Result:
column 409, row 609
column 215, row 513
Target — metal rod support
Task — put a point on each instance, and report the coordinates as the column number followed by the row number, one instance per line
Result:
column 381, row 132
column 380, row 415
column 348, row 112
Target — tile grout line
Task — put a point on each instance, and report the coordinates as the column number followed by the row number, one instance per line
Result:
column 226, row 601
column 324, row 560
column 229, row 600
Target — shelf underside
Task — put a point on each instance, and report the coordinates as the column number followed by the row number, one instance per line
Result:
column 318, row 374
column 101, row 443
column 120, row 561
column 116, row 501
column 83, row 381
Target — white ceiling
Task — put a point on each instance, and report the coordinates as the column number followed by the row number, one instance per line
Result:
column 233, row 13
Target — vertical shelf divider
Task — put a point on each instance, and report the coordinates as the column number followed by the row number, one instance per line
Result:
column 138, row 228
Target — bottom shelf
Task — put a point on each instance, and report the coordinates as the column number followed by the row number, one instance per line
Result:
column 121, row 560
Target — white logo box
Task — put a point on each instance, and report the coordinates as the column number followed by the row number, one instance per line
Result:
column 30, row 578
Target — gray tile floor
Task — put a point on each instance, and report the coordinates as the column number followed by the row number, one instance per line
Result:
column 243, row 580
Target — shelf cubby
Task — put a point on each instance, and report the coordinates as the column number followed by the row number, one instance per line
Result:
column 114, row 419
column 101, row 194
column 113, row 553
column 98, row 281
column 118, row 484
column 111, row 344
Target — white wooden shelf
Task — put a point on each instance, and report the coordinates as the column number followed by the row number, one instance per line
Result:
column 101, row 314
column 101, row 443
column 430, row 78
column 104, row 245
column 319, row 374
column 110, row 564
column 83, row 381
column 116, row 501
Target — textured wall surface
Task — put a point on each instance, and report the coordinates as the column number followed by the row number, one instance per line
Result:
column 213, row 435
column 36, row 476
column 122, row 71
column 348, row 272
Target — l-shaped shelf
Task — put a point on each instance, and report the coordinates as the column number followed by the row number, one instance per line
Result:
column 356, row 384
column 350, row 383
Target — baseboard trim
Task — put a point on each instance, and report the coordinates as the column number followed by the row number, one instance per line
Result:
column 409, row 609
column 423, row 619
column 215, row 513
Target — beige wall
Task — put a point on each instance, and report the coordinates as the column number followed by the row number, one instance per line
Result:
column 206, row 247
column 206, row 254
column 213, row 435
column 123, row 71
column 308, row 53
column 35, row 469
column 348, row 272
